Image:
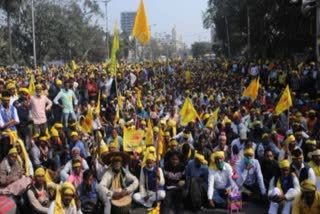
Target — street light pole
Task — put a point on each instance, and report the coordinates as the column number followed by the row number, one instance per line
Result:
column 33, row 35
column 107, row 31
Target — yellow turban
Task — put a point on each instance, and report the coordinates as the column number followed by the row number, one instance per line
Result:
column 151, row 157
column 248, row 151
column 313, row 142
column 217, row 154
column 173, row 143
column 308, row 185
column 25, row 90
column 74, row 134
column 201, row 158
column 284, row 164
column 10, row 86
column 12, row 151
column 39, row 172
column 67, row 188
column 290, row 139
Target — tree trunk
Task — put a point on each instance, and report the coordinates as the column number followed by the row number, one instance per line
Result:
column 9, row 36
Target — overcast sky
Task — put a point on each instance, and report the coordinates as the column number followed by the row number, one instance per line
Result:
column 186, row 15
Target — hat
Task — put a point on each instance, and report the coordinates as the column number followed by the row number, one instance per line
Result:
column 167, row 134
column 39, row 171
column 67, row 188
column 290, row 139
column 10, row 86
column 58, row 125
column 39, row 86
column 284, row 164
column 143, row 122
column 58, row 82
column 74, row 134
column 308, row 185
column 173, row 142
column 104, row 149
column 315, row 153
column 151, row 157
column 201, row 158
column 25, row 90
column 44, row 139
column 12, row 151
column 265, row 136
column 217, row 154
column 112, row 156
column 248, row 151
column 313, row 142
column 156, row 129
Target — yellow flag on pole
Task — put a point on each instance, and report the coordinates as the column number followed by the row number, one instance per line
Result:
column 141, row 27
column 98, row 107
column 188, row 113
column 88, row 120
column 149, row 134
column 213, row 118
column 132, row 139
column 74, row 65
column 115, row 48
column 285, row 101
column 252, row 89
column 32, row 86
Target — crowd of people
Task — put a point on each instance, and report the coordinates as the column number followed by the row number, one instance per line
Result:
column 65, row 145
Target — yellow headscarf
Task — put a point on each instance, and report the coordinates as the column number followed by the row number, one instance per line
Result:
column 24, row 156
column 66, row 187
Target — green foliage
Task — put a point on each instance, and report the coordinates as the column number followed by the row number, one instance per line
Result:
column 200, row 48
column 277, row 27
column 63, row 31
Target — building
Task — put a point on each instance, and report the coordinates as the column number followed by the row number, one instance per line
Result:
column 127, row 21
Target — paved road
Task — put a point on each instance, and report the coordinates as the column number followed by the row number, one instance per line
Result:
column 248, row 208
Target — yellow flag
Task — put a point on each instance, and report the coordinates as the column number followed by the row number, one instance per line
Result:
column 285, row 101
column 141, row 27
column 139, row 102
column 74, row 65
column 117, row 116
column 88, row 121
column 149, row 134
column 132, row 139
column 115, row 48
column 252, row 89
column 32, row 86
column 188, row 113
column 213, row 118
column 155, row 210
column 98, row 107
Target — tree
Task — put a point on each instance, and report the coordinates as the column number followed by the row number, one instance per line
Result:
column 200, row 48
column 10, row 7
column 277, row 28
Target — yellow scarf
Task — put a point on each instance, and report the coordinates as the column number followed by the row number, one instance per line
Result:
column 58, row 207
column 24, row 157
column 315, row 168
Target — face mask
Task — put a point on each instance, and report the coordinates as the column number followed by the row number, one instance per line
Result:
column 220, row 165
column 247, row 160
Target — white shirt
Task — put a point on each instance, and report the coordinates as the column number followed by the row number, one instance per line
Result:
column 8, row 113
column 311, row 174
column 289, row 195
column 219, row 179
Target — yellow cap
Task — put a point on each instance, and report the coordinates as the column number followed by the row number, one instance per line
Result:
column 308, row 185
column 74, row 134
column 143, row 122
column 12, row 151
column 173, row 143
column 39, row 87
column 25, row 90
column 313, row 142
column 58, row 82
column 10, row 86
column 201, row 158
column 290, row 139
column 284, row 164
column 248, row 151
column 67, row 188
column 156, row 129
column 44, row 138
column 39, row 172
column 58, row 125
column 265, row 136
column 104, row 149
column 151, row 157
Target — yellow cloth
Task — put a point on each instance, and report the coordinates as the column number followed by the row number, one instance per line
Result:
column 74, row 66
column 58, row 208
column 32, row 86
column 97, row 111
column 114, row 50
column 188, row 113
column 12, row 151
column 252, row 89
column 285, row 101
column 141, row 27
column 284, row 164
column 308, row 185
column 88, row 121
column 213, row 118
column 299, row 207
column 24, row 156
column 149, row 134
column 315, row 168
column 201, row 158
column 39, row 172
